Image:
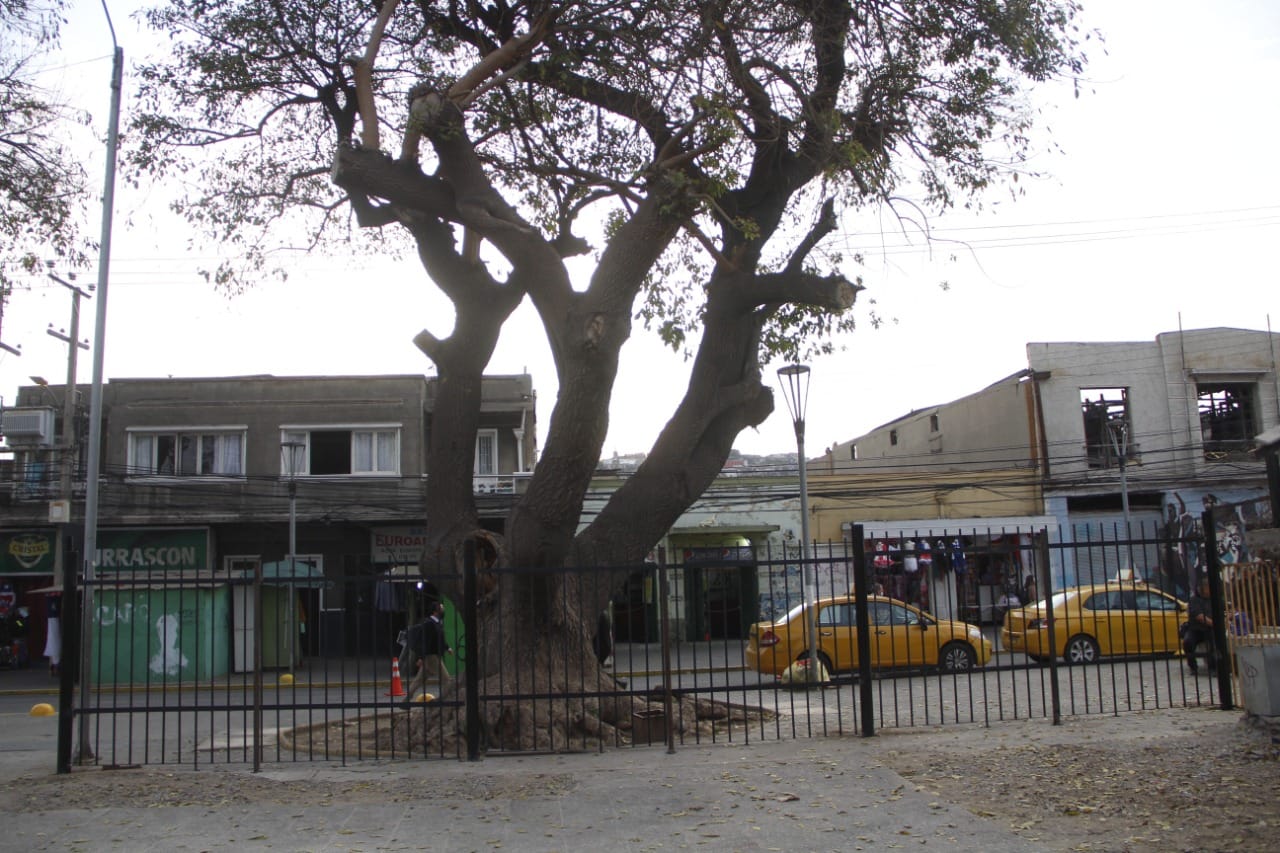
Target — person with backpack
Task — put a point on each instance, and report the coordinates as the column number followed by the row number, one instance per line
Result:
column 427, row 641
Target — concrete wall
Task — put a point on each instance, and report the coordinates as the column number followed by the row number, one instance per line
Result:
column 993, row 426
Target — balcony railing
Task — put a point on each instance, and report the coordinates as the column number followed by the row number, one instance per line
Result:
column 501, row 484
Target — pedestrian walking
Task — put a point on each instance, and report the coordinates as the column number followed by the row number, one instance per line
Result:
column 1199, row 628
column 427, row 641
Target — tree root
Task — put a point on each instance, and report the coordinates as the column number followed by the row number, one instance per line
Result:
column 561, row 722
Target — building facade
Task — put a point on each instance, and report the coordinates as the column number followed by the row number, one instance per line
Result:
column 1125, row 440
column 220, row 476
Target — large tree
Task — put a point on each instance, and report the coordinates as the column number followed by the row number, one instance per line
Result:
column 42, row 185
column 697, row 152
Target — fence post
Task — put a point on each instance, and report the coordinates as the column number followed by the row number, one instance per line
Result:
column 861, row 583
column 258, row 632
column 1055, row 693
column 471, row 611
column 69, row 666
column 664, row 636
column 1213, row 570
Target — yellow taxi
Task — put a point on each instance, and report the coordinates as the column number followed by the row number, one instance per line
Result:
column 901, row 636
column 1095, row 621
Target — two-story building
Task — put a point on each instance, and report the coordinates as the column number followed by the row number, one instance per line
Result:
column 318, row 478
column 1128, row 440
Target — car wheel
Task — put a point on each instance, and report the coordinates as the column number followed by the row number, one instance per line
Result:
column 822, row 659
column 956, row 657
column 1082, row 649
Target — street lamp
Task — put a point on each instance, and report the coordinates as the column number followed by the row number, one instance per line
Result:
column 794, row 379
column 292, row 452
column 1118, row 429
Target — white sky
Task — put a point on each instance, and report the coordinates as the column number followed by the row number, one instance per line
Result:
column 1161, row 208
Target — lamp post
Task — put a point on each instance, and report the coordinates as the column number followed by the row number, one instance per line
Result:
column 291, row 450
column 794, row 379
column 1119, row 432
column 93, row 453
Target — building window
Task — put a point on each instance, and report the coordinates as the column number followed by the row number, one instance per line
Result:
column 933, row 423
column 893, row 438
column 853, row 453
column 486, row 452
column 368, row 451
column 193, row 453
column 1227, row 419
column 1106, row 425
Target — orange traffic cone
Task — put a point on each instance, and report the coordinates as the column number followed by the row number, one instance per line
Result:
column 397, row 689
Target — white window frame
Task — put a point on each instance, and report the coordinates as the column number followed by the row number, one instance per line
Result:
column 384, row 449
column 222, row 450
column 478, row 470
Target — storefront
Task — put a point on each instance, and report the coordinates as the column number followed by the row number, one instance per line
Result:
column 26, row 583
column 159, row 612
column 958, row 571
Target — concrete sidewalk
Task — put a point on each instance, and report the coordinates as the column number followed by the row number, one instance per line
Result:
column 830, row 794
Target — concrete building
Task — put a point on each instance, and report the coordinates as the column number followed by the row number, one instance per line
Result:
column 215, row 477
column 1148, row 432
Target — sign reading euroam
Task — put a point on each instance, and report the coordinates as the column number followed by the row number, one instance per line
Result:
column 153, row 549
column 400, row 545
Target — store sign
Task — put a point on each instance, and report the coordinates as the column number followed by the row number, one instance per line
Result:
column 399, row 545
column 28, row 553
column 153, row 550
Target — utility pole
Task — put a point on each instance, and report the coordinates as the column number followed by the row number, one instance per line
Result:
column 67, row 442
column 60, row 508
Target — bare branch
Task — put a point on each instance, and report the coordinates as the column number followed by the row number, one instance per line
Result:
column 363, row 68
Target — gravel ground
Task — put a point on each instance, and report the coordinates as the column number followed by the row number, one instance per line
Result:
column 1181, row 779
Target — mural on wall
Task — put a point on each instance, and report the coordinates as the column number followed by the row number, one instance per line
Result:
column 1184, row 533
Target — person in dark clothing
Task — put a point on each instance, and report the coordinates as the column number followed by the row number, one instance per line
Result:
column 602, row 642
column 1199, row 627
column 428, row 643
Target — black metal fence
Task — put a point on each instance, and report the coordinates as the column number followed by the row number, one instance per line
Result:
column 211, row 669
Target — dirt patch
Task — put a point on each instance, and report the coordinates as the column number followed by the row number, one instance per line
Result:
column 1185, row 780
column 1175, row 780
column 215, row 787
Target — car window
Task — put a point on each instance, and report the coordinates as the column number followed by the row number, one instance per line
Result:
column 1112, row 599
column 837, row 615
column 899, row 615
column 880, row 613
column 1153, row 601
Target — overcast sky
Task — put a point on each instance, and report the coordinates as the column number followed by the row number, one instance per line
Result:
column 1159, row 210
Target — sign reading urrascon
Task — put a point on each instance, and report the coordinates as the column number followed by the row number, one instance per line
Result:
column 154, row 549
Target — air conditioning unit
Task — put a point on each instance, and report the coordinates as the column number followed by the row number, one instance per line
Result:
column 28, row 427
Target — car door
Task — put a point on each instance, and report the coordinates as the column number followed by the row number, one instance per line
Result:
column 1159, row 616
column 895, row 635
column 838, row 636
column 1096, row 611
column 1130, row 634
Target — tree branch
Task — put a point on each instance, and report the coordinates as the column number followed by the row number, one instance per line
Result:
column 363, row 68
